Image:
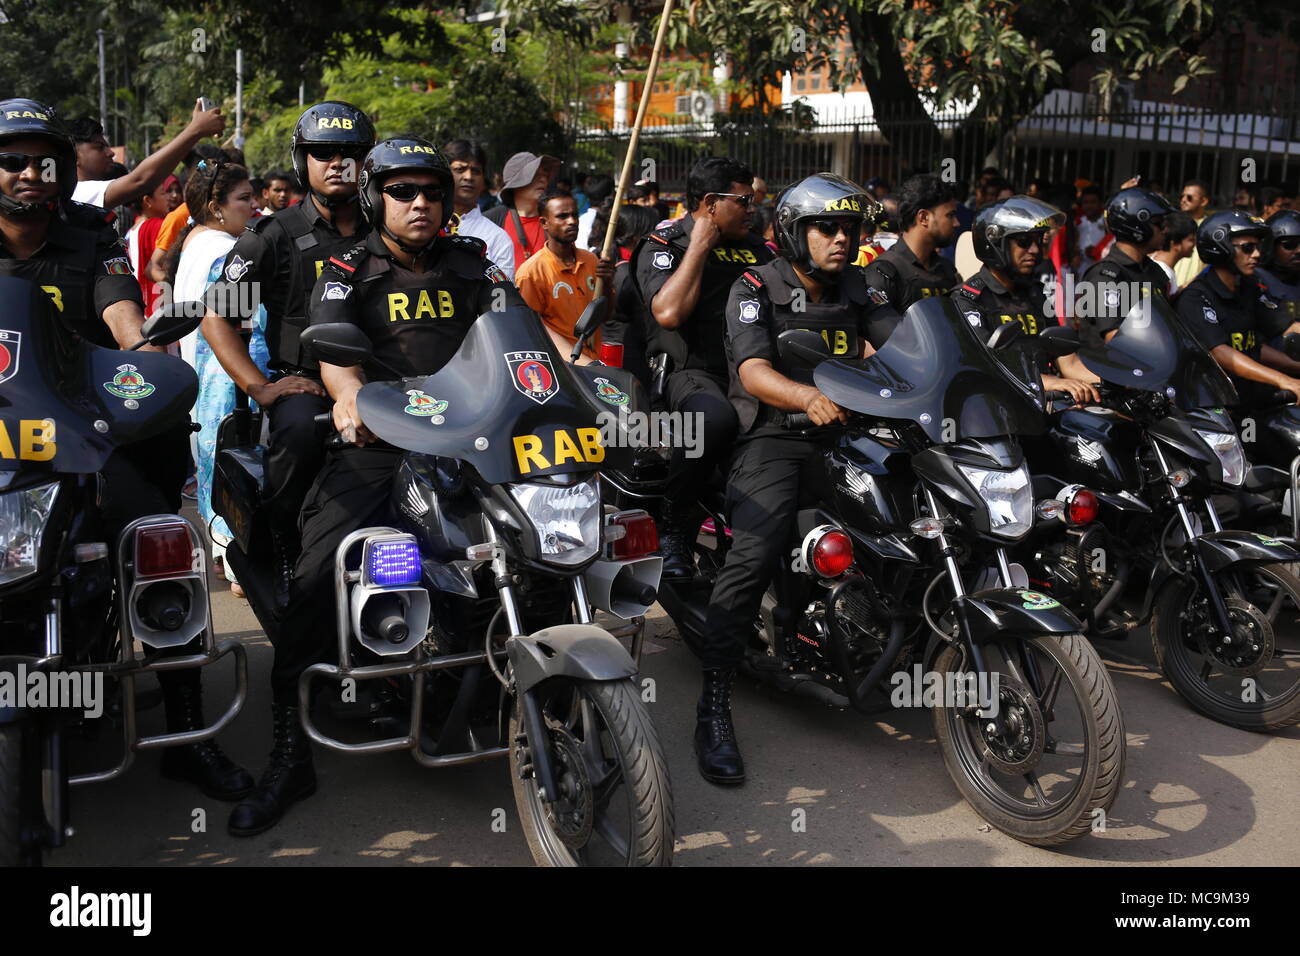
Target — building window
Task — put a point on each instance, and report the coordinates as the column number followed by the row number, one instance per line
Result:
column 801, row 84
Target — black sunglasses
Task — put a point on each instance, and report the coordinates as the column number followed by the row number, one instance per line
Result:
column 744, row 199
column 17, row 162
column 324, row 154
column 1289, row 243
column 1027, row 239
column 406, row 192
column 1247, row 248
column 833, row 227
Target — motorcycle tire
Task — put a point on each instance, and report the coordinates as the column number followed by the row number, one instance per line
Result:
column 1102, row 773
column 1168, row 644
column 638, row 755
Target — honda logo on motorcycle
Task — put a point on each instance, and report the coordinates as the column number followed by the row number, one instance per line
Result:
column 533, row 375
column 9, row 354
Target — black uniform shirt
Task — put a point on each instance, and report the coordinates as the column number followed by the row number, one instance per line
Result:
column 275, row 263
column 767, row 301
column 1246, row 319
column 987, row 303
column 415, row 321
column 1286, row 292
column 1110, row 288
column 703, row 331
column 83, row 273
column 905, row 279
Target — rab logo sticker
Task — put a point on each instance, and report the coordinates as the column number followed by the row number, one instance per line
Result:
column 534, row 455
column 117, row 267
column 749, row 310
column 1034, row 601
column 532, row 374
column 9, row 354
column 423, row 405
column 238, row 266
column 336, row 290
column 662, row 260
column 129, row 383
column 610, row 393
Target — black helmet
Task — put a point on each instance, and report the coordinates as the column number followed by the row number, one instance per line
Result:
column 22, row 117
column 1012, row 217
column 823, row 195
column 396, row 155
column 1214, row 237
column 331, row 123
column 1130, row 211
column 1284, row 223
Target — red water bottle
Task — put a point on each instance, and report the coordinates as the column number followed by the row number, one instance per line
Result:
column 611, row 353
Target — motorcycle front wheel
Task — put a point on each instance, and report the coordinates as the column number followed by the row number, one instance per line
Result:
column 1253, row 681
column 1042, row 768
column 615, row 805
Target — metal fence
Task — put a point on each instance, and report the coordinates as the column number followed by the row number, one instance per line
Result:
column 1063, row 140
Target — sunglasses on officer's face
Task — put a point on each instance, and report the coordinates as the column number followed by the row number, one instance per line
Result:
column 17, row 162
column 1246, row 248
column 1289, row 243
column 830, row 228
column 406, row 192
column 744, row 199
column 1027, row 240
column 323, row 154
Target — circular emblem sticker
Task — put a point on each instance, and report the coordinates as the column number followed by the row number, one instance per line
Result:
column 1035, row 601
column 423, row 405
column 610, row 393
column 129, row 383
column 534, row 377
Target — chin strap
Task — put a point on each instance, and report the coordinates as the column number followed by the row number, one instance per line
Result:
column 12, row 207
column 330, row 203
column 416, row 251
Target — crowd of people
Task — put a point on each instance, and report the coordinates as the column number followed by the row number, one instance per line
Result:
column 406, row 239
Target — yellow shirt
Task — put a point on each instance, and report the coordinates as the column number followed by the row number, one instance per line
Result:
column 558, row 293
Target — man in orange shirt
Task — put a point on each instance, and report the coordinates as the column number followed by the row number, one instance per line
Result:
column 560, row 280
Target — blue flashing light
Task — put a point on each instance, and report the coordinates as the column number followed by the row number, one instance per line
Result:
column 393, row 563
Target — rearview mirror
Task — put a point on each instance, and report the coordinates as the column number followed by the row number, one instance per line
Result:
column 803, row 344
column 593, row 316
column 1059, row 340
column 171, row 323
column 336, row 343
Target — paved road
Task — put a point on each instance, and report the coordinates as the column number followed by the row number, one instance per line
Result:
column 874, row 791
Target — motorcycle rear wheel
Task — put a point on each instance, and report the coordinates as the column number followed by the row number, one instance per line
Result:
column 616, row 807
column 1187, row 666
column 1035, row 818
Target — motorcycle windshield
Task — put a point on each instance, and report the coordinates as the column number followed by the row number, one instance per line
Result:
column 934, row 371
column 1154, row 352
column 510, row 405
column 65, row 404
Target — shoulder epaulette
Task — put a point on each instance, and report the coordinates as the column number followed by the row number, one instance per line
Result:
column 752, row 280
column 471, row 244
column 970, row 291
column 347, row 262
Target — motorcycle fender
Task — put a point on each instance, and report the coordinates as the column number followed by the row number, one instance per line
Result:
column 581, row 651
column 1006, row 613
column 1218, row 549
column 887, row 546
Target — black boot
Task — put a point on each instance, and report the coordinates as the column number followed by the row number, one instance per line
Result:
column 675, row 544
column 289, row 777
column 202, row 764
column 715, row 736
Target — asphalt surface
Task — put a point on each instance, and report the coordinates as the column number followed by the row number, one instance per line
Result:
column 872, row 791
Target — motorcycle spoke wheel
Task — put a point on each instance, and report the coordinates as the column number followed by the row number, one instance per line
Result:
column 1252, row 682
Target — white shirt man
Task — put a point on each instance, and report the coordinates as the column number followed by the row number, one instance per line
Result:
column 499, row 247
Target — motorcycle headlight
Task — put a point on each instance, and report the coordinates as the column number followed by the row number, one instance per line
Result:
column 1008, row 496
column 566, row 518
column 23, row 514
column 1231, row 458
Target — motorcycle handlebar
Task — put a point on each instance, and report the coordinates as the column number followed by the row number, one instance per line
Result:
column 1058, row 396
column 797, row 420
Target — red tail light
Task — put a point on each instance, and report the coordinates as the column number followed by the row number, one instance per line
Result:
column 637, row 538
column 832, row 554
column 1082, row 508
column 163, row 551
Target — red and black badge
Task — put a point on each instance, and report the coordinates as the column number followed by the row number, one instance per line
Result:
column 9, row 354
column 533, row 375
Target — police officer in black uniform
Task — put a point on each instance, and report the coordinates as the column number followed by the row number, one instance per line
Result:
column 275, row 263
column 415, row 294
column 683, row 274
column 912, row 268
column 1010, row 238
column 1231, row 312
column 88, row 277
column 1109, row 288
column 1282, row 277
column 812, row 286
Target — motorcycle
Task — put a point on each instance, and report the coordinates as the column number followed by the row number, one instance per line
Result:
column 70, row 616
column 469, row 621
column 1139, row 482
column 899, row 574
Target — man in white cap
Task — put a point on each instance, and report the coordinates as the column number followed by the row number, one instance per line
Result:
column 525, row 178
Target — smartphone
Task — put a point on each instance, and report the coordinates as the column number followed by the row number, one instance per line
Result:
column 205, row 103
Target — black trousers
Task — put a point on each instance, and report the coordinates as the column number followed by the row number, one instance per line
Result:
column 144, row 479
column 691, row 391
column 762, row 501
column 295, row 454
column 351, row 492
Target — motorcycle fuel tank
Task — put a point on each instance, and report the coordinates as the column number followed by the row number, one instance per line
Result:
column 1095, row 447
